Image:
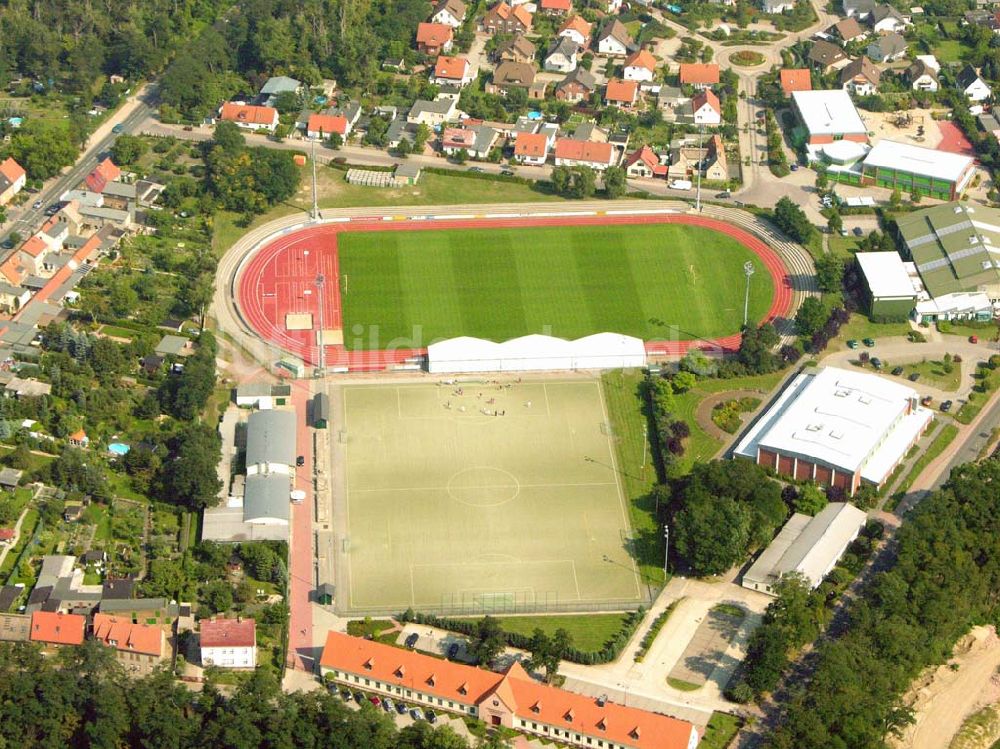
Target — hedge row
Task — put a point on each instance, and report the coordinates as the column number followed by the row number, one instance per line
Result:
column 654, row 630
column 610, row 652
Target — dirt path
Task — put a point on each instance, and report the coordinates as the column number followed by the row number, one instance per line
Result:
column 944, row 697
column 703, row 414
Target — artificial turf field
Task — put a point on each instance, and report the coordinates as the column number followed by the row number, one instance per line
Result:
column 567, row 281
column 448, row 508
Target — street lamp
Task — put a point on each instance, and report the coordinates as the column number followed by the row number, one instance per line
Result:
column 747, row 271
column 666, row 548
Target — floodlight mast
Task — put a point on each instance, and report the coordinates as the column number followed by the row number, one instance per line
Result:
column 315, row 205
column 748, row 270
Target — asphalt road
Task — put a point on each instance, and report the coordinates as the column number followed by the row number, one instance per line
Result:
column 29, row 219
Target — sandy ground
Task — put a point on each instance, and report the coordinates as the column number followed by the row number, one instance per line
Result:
column 943, row 697
column 883, row 125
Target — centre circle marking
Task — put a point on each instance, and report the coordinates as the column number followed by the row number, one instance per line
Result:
column 483, row 486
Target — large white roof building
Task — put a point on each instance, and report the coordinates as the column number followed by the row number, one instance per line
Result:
column 837, row 427
column 829, row 115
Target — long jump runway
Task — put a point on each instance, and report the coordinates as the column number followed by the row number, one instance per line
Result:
column 279, row 298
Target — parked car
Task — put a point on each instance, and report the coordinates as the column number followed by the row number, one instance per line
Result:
column 300, row 461
column 858, row 231
column 36, row 205
column 869, row 342
column 411, row 640
column 914, row 377
column 117, row 129
column 876, row 362
column 416, row 714
column 973, row 339
column 946, row 406
column 188, row 128
column 358, row 697
column 401, row 708
column 387, row 705
column 925, row 401
column 793, row 166
column 507, row 172
column 475, row 169
column 897, row 371
column 431, row 717
column 375, row 700
column 724, row 194
column 852, row 344
column 452, row 651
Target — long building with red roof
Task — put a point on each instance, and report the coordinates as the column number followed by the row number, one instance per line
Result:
column 511, row 699
column 138, row 647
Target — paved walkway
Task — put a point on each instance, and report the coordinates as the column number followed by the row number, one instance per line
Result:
column 17, row 534
column 301, row 651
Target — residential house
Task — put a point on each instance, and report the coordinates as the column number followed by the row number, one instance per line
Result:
column 887, row 48
column 79, row 438
column 824, row 55
column 849, row 30
column 511, row 700
column 776, row 7
column 54, row 628
column 532, row 149
column 561, row 57
column 591, row 132
column 572, row 152
column 578, row 29
column 860, row 9
column 576, row 86
column 706, row 108
column 12, row 179
column 861, row 77
column 449, row 13
column 139, row 648
column 885, row 19
column 691, row 154
column 229, row 643
column 795, row 79
column 32, row 254
column 475, row 141
column 503, row 19
column 277, row 85
column 351, row 111
column 614, row 40
column 699, row 75
column 102, row 174
column 26, row 388
column 987, row 122
column 645, row 164
column 434, row 39
column 452, row 71
column 621, row 94
column 556, row 7
column 972, row 85
column 674, row 103
column 322, row 126
column 249, row 116
column 922, row 77
column 510, row 75
column 432, row 113
column 516, row 49
column 12, row 298
column 640, row 66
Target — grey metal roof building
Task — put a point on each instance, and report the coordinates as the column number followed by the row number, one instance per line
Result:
column 267, row 499
column 806, row 546
column 271, row 438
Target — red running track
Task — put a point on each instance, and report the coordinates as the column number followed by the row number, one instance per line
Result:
column 280, row 279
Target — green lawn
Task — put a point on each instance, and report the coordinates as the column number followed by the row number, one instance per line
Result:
column 843, row 246
column 949, row 50
column 589, row 631
column 118, row 332
column 860, row 327
column 944, row 438
column 931, row 373
column 684, row 686
column 649, row 281
column 721, row 729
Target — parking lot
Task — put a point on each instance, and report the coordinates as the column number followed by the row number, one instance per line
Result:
column 706, row 651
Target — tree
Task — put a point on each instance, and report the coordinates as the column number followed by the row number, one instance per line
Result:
column 405, row 147
column 811, row 317
column 835, row 223
column 614, row 182
column 711, row 534
column 896, row 199
column 335, row 141
column 190, row 477
column 810, row 499
column 218, row 596
column 488, row 640
column 288, row 102
column 228, row 136
column 43, row 148
column 683, row 381
column 821, row 180
column 127, row 149
column 830, row 273
column 793, row 221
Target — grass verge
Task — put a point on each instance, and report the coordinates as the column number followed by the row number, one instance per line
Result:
column 589, row 631
column 720, row 731
column 683, row 686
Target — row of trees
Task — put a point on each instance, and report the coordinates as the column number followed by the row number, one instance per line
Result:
column 83, row 698
column 944, row 577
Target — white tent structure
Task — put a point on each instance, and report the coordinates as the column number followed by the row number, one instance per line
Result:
column 535, row 353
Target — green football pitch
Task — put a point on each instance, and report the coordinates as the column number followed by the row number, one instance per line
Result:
column 567, row 281
column 450, row 508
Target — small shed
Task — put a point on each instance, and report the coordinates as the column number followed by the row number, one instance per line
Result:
column 10, row 478
column 172, row 345
column 321, row 410
column 407, row 174
column 325, row 594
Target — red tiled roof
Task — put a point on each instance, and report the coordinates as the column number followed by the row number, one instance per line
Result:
column 706, row 97
column 578, row 24
column 248, row 113
column 583, row 150
column 11, row 170
column 524, row 697
column 12, row 270
column 622, row 91
column 699, row 73
column 458, row 137
column 35, row 246
column 641, row 59
column 78, row 436
column 646, row 155
column 128, row 637
column 228, row 633
column 433, row 34
column 531, row 144
column 103, row 173
column 797, row 79
column 56, row 628
column 523, row 15
column 451, row 67
column 6, row 534
column 79, row 257
column 327, row 124
column 566, row 5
